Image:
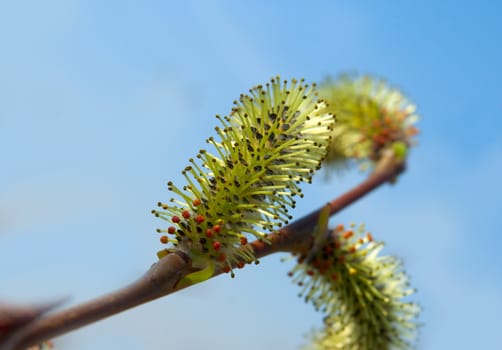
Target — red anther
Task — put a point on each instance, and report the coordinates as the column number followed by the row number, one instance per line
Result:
column 352, row 249
column 348, row 234
column 338, row 244
column 244, row 240
column 196, row 202
column 394, row 128
column 217, row 228
column 222, row 257
column 310, row 273
column 164, row 239
column 185, row 214
column 339, row 228
column 240, row 264
column 175, row 219
column 401, row 115
column 411, row 131
column 216, row 245
column 361, row 241
column 171, row 230
column 341, row 259
column 226, row 269
column 334, row 277
column 370, row 237
column 209, row 233
column 200, row 219
column 290, row 273
column 378, row 139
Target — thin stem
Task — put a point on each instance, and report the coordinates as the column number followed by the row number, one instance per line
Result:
column 14, row 317
column 162, row 278
column 296, row 237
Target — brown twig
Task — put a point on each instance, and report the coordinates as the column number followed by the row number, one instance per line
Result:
column 296, row 237
column 162, row 278
column 14, row 317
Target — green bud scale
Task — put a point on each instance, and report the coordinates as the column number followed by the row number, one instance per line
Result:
column 275, row 137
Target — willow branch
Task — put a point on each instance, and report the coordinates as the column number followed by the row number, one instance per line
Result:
column 162, row 278
column 159, row 280
column 297, row 238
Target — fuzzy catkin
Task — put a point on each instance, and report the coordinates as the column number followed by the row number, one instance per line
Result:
column 275, row 137
column 372, row 117
column 362, row 293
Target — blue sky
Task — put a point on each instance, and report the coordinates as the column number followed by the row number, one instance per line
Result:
column 101, row 103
